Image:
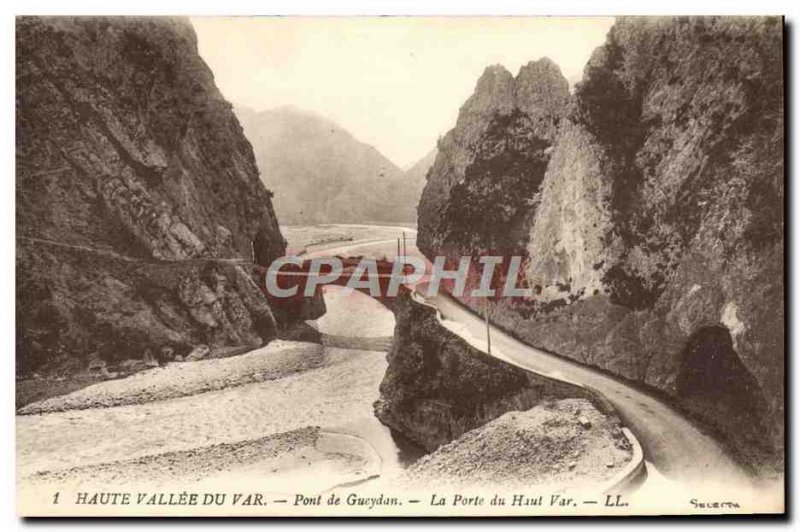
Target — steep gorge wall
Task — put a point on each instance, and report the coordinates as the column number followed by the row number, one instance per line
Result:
column 489, row 166
column 140, row 212
column 659, row 220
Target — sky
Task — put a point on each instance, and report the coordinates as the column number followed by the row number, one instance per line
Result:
column 393, row 82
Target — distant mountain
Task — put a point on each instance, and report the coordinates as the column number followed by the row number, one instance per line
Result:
column 320, row 173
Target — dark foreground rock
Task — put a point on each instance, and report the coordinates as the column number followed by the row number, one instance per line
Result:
column 437, row 386
column 140, row 212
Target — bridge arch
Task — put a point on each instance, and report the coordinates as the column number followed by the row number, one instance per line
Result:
column 293, row 275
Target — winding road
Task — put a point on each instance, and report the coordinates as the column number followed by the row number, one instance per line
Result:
column 673, row 444
column 682, row 461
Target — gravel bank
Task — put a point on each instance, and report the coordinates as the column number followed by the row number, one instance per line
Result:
column 186, row 466
column 288, row 460
column 340, row 390
column 179, row 379
column 567, row 442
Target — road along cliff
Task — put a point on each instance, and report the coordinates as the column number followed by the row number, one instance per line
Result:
column 489, row 423
column 652, row 228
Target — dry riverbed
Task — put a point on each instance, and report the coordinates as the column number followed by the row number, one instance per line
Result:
column 178, row 379
column 302, row 239
column 290, row 415
column 343, row 388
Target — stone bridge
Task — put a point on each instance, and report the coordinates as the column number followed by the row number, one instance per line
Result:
column 292, row 276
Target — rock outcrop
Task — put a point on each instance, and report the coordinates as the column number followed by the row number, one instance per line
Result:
column 438, row 387
column 659, row 218
column 140, row 212
column 322, row 174
column 492, row 163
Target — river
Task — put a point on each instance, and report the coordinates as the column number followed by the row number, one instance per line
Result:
column 261, row 424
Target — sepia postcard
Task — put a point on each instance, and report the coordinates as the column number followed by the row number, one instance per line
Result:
column 400, row 266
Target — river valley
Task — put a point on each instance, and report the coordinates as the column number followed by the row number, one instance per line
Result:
column 293, row 415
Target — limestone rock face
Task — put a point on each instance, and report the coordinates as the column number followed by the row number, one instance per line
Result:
column 490, row 166
column 140, row 211
column 569, row 233
column 659, row 215
column 678, row 188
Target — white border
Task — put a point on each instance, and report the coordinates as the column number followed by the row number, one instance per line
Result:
column 322, row 7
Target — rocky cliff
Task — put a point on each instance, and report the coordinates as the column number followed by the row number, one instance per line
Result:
column 654, row 237
column 492, row 163
column 438, row 387
column 140, row 212
column 322, row 174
